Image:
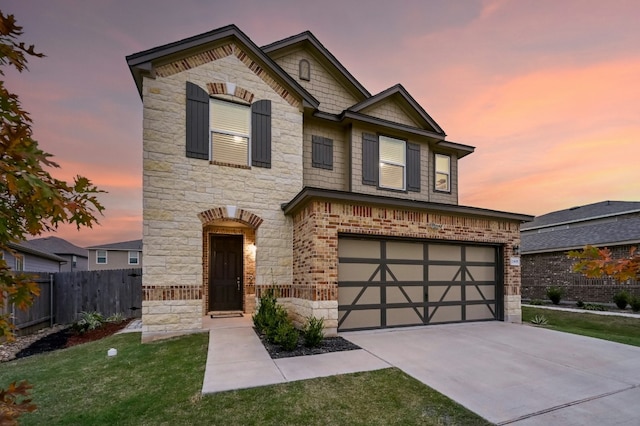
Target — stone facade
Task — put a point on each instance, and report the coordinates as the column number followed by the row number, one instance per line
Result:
column 177, row 189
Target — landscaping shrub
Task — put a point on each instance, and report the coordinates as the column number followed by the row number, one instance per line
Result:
column 313, row 332
column 536, row 302
column 286, row 335
column 117, row 317
column 266, row 311
column 580, row 304
column 88, row 321
column 555, row 294
column 595, row 307
column 621, row 299
column 634, row 302
column 539, row 320
column 273, row 323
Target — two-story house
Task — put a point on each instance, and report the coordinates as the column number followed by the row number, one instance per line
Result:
column 274, row 167
column 120, row 255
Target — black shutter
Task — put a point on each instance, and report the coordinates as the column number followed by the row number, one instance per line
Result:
column 321, row 152
column 261, row 134
column 413, row 167
column 370, row 159
column 197, row 122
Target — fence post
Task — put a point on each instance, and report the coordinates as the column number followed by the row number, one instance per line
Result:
column 50, row 300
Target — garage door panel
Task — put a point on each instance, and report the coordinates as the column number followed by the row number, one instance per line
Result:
column 364, row 249
column 401, row 250
column 358, row 272
column 445, row 273
column 405, row 273
column 441, row 293
column 481, row 273
column 478, row 312
column 357, row 319
column 404, row 294
column 405, row 316
column 348, row 295
column 441, row 314
column 480, row 292
column 389, row 283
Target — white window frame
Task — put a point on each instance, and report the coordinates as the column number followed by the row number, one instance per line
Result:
column 74, row 261
column 136, row 257
column 393, row 163
column 220, row 131
column 98, row 257
column 19, row 262
column 437, row 172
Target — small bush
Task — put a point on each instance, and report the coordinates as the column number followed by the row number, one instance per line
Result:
column 313, row 332
column 634, row 302
column 539, row 320
column 115, row 318
column 555, row 294
column 595, row 307
column 536, row 302
column 266, row 311
column 621, row 299
column 580, row 304
column 88, row 321
column 286, row 336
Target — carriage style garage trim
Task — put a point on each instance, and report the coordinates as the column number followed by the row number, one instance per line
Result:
column 376, row 262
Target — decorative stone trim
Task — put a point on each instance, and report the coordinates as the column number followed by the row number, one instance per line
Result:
column 234, row 166
column 308, row 292
column 220, row 88
column 194, row 60
column 242, row 216
column 222, row 52
column 171, row 292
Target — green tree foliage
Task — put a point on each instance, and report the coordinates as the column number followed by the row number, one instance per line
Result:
column 594, row 263
column 31, row 200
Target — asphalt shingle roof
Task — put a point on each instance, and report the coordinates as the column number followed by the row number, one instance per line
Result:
column 124, row 245
column 57, row 246
column 590, row 211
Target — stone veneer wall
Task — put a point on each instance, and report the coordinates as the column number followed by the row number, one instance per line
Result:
column 177, row 189
column 318, row 224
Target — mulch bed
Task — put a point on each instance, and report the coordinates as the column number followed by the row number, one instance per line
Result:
column 329, row 344
column 67, row 337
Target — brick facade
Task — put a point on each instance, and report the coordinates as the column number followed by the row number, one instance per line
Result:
column 317, row 225
column 543, row 270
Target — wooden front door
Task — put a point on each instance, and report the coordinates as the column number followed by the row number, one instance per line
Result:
column 225, row 273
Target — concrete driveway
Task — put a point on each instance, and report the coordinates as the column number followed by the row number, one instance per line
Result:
column 517, row 374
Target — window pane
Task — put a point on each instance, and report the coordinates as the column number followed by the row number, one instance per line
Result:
column 442, row 163
column 230, row 117
column 392, row 150
column 230, row 149
column 442, row 182
column 391, row 176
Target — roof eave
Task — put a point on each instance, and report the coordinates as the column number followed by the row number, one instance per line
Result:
column 309, row 193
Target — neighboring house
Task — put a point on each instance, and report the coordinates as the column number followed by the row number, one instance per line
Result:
column 76, row 258
column 547, row 239
column 123, row 255
column 27, row 257
column 274, row 167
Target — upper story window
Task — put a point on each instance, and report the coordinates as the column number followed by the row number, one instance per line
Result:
column 101, row 257
column 230, row 132
column 19, row 265
column 304, row 70
column 392, row 163
column 134, row 258
column 443, row 173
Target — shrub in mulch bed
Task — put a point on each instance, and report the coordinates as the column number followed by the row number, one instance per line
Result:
column 328, row 344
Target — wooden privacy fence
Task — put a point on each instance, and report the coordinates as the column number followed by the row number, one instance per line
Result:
column 108, row 292
column 41, row 311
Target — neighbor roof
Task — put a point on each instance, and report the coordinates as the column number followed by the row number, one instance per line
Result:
column 125, row 245
column 27, row 247
column 607, row 223
column 57, row 246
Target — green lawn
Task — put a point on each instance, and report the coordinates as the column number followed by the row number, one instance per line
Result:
column 159, row 383
column 608, row 327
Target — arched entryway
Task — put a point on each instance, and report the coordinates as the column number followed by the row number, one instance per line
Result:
column 229, row 259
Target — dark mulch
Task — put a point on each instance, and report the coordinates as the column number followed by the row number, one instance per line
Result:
column 67, row 338
column 329, row 344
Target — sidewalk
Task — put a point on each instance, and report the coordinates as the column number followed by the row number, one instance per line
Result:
column 237, row 359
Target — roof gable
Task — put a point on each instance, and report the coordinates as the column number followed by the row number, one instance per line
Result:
column 57, row 246
column 197, row 50
column 307, row 41
column 587, row 212
column 396, row 101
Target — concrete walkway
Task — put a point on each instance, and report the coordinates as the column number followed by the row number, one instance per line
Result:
column 237, row 359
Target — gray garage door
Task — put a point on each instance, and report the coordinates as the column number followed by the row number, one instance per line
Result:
column 392, row 283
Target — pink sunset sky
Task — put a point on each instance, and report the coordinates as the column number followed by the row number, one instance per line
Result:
column 547, row 91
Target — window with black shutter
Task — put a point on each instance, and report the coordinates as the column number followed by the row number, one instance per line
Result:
column 321, row 152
